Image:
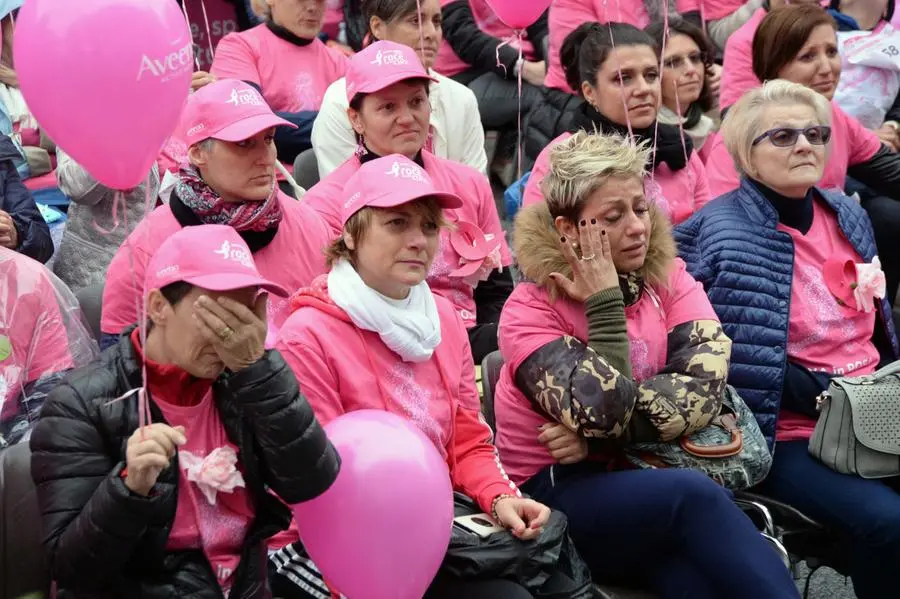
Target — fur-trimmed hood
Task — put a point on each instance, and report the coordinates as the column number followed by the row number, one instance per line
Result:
column 536, row 244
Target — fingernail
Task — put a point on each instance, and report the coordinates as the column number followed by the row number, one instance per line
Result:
column 593, row 221
column 603, row 232
column 563, row 239
column 583, row 222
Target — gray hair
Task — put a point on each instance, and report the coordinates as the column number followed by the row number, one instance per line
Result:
column 744, row 121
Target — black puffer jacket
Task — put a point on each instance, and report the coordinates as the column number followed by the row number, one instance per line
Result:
column 548, row 120
column 103, row 541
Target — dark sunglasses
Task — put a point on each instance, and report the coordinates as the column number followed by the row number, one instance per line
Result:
column 784, row 137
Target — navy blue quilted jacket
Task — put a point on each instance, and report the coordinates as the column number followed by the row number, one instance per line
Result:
column 732, row 247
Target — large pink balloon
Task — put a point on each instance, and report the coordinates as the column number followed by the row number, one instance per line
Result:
column 106, row 79
column 382, row 529
column 519, row 14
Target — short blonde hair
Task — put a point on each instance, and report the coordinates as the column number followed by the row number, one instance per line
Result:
column 583, row 163
column 358, row 225
column 744, row 121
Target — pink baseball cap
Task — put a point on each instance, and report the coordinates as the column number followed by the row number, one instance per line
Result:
column 381, row 65
column 213, row 257
column 229, row 110
column 391, row 181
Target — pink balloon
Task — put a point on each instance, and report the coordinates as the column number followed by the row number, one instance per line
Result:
column 106, row 79
column 519, row 14
column 382, row 529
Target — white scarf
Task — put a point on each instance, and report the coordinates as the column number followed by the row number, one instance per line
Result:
column 411, row 329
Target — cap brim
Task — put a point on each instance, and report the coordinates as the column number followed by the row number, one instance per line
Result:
column 447, row 201
column 387, row 81
column 250, row 126
column 230, row 282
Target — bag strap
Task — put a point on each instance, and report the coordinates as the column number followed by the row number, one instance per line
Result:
column 891, row 369
column 734, row 447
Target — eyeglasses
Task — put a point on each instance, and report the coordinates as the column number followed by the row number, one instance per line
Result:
column 676, row 62
column 784, row 137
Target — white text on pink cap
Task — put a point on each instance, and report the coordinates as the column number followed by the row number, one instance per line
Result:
column 245, row 97
column 390, row 57
column 236, row 253
column 411, row 173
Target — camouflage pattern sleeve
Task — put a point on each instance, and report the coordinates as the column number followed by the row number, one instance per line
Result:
column 575, row 386
column 687, row 393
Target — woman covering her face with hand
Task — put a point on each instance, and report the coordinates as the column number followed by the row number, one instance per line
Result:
column 371, row 335
column 615, row 66
column 180, row 506
column 608, row 328
column 387, row 89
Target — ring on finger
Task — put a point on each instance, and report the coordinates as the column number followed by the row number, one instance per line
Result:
column 586, row 258
column 226, row 333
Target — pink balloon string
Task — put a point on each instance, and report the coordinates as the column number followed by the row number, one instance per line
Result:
column 187, row 19
column 516, row 38
column 118, row 198
column 208, row 32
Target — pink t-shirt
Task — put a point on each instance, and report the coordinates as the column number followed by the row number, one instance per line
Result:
column 851, row 143
column 825, row 336
column 292, row 78
column 220, row 527
column 448, row 63
column 737, row 62
column 680, row 193
column 292, row 259
column 33, row 338
column 530, row 321
column 479, row 209
column 220, row 20
column 565, row 17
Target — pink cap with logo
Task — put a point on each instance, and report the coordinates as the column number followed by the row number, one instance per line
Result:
column 381, row 65
column 388, row 182
column 213, row 257
column 229, row 110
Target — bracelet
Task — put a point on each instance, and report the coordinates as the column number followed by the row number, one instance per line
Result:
column 497, row 500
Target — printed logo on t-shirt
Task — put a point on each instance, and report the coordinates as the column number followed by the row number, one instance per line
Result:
column 245, row 97
column 410, row 173
column 235, row 253
column 305, row 97
column 390, row 58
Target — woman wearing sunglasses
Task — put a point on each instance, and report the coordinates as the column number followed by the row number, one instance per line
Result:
column 799, row 44
column 791, row 271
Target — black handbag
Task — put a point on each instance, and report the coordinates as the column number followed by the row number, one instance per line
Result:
column 529, row 563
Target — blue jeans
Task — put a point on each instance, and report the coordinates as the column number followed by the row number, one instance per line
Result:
column 865, row 512
column 675, row 531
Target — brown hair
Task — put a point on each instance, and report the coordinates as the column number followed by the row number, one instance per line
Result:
column 358, row 225
column 782, row 34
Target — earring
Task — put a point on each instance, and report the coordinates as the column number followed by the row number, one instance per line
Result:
column 360, row 148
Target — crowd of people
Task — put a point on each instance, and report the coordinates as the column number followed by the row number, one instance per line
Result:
column 702, row 202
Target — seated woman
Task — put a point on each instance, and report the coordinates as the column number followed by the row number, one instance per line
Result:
column 568, row 15
column 617, row 70
column 687, row 89
column 178, row 504
column 284, row 59
column 798, row 43
column 609, row 328
column 390, row 113
column 22, row 228
column 100, row 219
column 404, row 350
column 774, row 256
column 42, row 336
column 737, row 64
column 456, row 132
column 230, row 180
